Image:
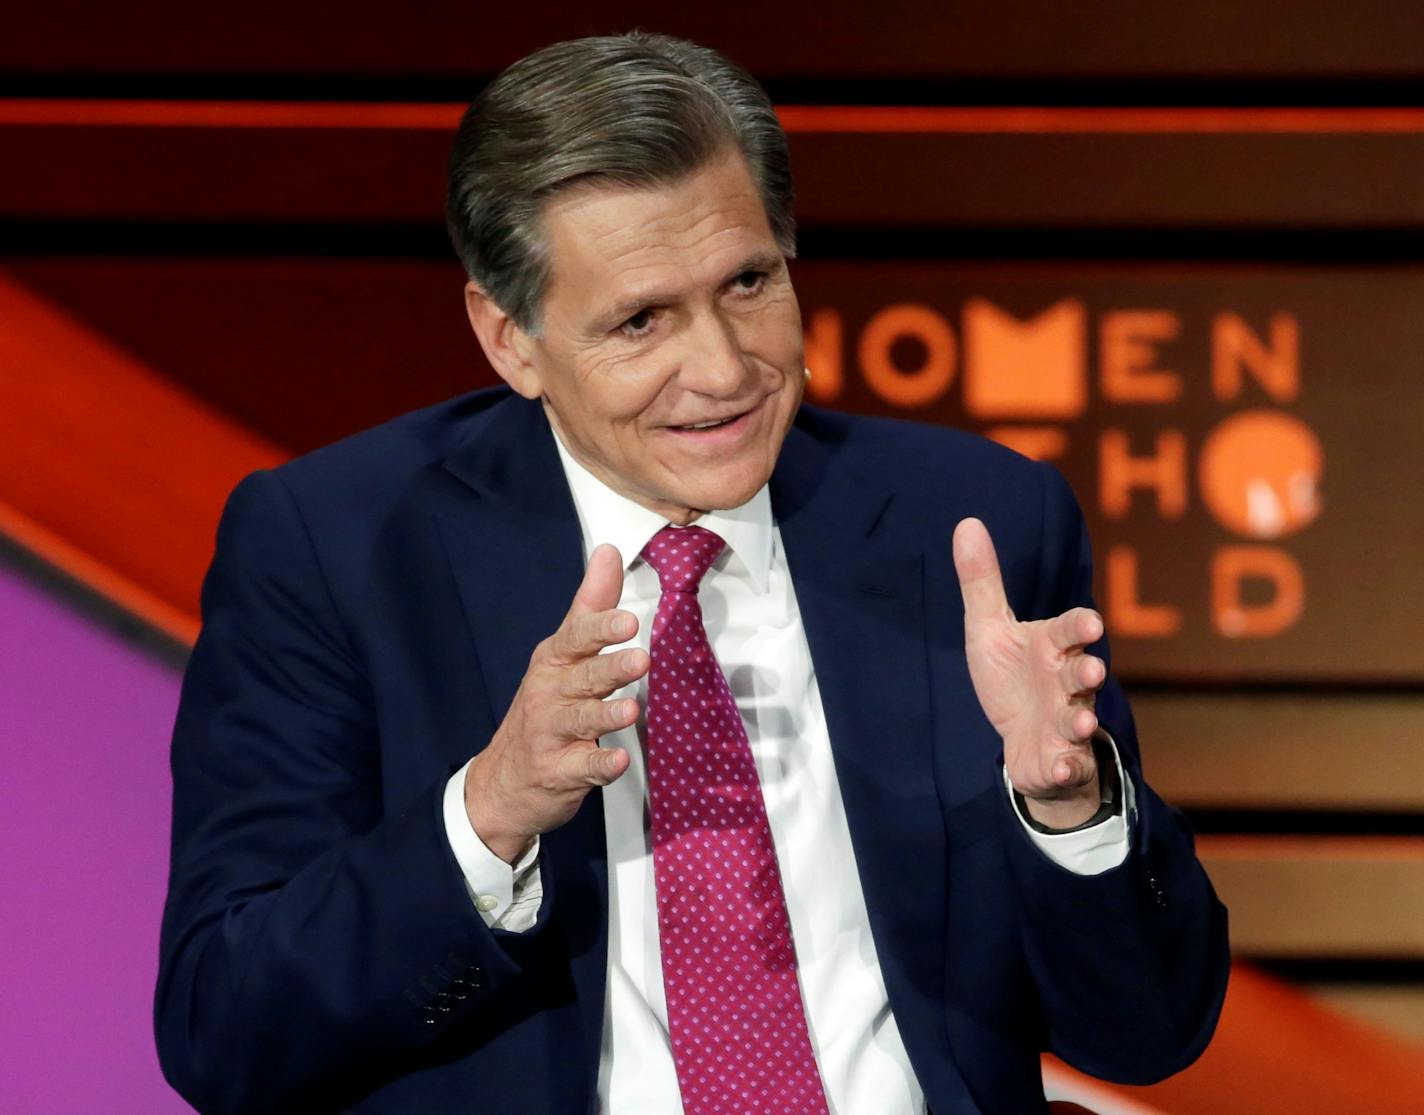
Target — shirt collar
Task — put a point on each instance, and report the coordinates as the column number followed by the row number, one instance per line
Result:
column 608, row 516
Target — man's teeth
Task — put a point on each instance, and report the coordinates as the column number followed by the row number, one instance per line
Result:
column 708, row 425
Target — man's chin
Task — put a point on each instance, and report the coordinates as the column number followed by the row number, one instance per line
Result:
column 733, row 492
column 696, row 502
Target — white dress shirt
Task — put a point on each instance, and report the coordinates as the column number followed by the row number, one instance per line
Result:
column 754, row 626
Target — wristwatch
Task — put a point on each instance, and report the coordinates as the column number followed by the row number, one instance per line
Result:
column 1107, row 784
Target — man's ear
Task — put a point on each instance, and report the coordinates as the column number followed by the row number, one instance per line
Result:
column 507, row 347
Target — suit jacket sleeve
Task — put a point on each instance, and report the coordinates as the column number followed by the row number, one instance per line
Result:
column 313, row 931
column 1131, row 965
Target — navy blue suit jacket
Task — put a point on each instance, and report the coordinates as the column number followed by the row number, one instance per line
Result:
column 367, row 618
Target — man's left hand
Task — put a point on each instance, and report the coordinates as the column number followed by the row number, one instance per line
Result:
column 1036, row 683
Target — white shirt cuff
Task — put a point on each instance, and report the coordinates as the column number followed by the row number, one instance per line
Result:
column 505, row 897
column 1089, row 851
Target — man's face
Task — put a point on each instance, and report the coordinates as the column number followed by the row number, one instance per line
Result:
column 669, row 309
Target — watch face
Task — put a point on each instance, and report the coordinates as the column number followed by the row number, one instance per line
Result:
column 1107, row 770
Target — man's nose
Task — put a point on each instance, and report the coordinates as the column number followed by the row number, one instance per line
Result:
column 714, row 363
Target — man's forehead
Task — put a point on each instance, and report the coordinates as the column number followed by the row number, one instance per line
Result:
column 622, row 235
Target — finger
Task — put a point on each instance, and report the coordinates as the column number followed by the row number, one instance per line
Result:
column 591, row 765
column 1077, row 627
column 1076, row 766
column 599, row 675
column 602, row 581
column 1082, row 674
column 1077, row 722
column 591, row 622
column 587, row 720
column 584, row 636
column 594, row 620
column 977, row 565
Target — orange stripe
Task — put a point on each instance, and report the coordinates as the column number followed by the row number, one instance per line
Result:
column 800, row 119
column 107, row 469
column 128, row 595
column 1279, row 1050
column 1090, row 121
column 271, row 115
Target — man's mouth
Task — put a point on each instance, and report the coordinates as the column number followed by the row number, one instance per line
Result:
column 711, row 424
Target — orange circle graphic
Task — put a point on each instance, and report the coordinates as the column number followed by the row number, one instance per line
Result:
column 1260, row 474
column 932, row 378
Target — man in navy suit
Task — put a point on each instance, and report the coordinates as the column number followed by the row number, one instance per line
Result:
column 413, row 862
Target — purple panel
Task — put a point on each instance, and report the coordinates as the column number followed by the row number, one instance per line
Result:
column 84, row 798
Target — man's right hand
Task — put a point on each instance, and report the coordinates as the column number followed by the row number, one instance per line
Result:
column 545, row 756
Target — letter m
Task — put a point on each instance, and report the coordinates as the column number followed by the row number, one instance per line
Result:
column 1025, row 369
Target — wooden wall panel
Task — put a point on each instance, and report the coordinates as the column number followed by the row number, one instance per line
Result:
column 957, row 168
column 1400, row 1009
column 1296, row 750
column 891, row 39
column 1320, row 896
column 1101, row 178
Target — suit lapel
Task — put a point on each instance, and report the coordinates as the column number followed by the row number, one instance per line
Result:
column 861, row 598
column 516, row 553
column 513, row 539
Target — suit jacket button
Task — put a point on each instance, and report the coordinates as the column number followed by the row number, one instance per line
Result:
column 475, row 975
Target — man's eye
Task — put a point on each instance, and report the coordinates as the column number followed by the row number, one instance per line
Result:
column 749, row 282
column 638, row 324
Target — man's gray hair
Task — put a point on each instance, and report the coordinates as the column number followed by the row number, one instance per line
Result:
column 633, row 110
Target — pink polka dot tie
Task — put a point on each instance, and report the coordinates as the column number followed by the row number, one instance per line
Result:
column 738, row 1030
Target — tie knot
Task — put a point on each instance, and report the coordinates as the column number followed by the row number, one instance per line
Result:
column 682, row 556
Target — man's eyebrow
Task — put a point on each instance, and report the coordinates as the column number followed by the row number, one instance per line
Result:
column 762, row 261
column 625, row 308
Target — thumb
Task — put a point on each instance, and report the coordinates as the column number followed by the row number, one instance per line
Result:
column 980, row 582
column 602, row 584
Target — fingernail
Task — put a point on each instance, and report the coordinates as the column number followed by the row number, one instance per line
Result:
column 624, row 626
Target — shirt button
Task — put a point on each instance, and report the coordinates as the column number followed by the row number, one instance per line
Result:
column 485, row 903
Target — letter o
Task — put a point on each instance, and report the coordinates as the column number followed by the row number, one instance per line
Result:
column 932, row 378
